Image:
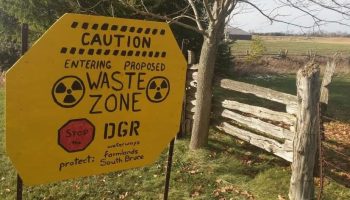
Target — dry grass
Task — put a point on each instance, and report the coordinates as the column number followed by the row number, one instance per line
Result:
column 271, row 65
column 298, row 46
column 298, row 54
column 327, row 40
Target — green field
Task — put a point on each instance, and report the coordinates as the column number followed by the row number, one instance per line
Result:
column 294, row 47
column 227, row 168
column 339, row 107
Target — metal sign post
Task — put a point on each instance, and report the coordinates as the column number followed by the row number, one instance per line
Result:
column 168, row 169
column 24, row 49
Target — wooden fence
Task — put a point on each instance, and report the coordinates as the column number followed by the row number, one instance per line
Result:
column 292, row 134
column 270, row 130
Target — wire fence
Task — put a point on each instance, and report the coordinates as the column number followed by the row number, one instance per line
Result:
column 334, row 170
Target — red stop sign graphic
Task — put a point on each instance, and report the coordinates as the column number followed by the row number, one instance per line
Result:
column 76, row 135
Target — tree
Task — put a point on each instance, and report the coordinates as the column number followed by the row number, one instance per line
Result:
column 10, row 50
column 256, row 50
column 211, row 24
column 41, row 14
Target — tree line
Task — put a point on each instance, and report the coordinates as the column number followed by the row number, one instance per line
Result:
column 309, row 34
column 41, row 14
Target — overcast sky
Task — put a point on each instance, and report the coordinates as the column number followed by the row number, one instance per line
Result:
column 250, row 19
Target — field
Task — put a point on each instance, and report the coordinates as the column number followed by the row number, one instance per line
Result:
column 339, row 108
column 298, row 45
column 299, row 50
column 228, row 168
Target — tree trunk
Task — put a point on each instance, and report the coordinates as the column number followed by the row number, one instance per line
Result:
column 204, row 94
column 215, row 31
column 306, row 138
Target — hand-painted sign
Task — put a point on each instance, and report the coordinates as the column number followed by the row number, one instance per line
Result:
column 93, row 95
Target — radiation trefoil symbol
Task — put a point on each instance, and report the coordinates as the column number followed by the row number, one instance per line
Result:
column 158, row 89
column 68, row 91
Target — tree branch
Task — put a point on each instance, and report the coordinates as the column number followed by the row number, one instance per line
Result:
column 164, row 18
column 143, row 5
column 231, row 7
column 341, row 5
column 316, row 19
column 182, row 11
column 200, row 27
column 112, row 9
column 184, row 16
column 206, row 6
column 269, row 17
column 331, row 8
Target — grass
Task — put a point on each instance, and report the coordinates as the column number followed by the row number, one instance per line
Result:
column 339, row 107
column 294, row 47
column 227, row 168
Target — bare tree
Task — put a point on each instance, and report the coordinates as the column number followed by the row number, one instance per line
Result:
column 212, row 25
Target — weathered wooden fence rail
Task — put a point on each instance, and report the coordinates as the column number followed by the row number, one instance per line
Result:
column 289, row 100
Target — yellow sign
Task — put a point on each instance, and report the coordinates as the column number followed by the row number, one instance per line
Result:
column 93, row 95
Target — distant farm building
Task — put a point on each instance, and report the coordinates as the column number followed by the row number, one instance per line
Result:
column 237, row 34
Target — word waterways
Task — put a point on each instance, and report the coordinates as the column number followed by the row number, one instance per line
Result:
column 131, row 143
column 113, row 158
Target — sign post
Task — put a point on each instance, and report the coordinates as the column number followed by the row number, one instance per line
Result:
column 93, row 95
column 168, row 169
column 24, row 41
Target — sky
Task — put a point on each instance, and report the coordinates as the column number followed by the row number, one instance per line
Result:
column 249, row 19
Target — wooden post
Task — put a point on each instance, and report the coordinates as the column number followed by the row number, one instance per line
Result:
column 189, row 93
column 326, row 81
column 191, row 57
column 307, row 129
column 182, row 131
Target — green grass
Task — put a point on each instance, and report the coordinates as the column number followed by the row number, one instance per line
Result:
column 339, row 107
column 227, row 168
column 294, row 48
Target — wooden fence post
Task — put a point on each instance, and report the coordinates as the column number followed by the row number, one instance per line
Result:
column 307, row 129
column 191, row 88
column 191, row 57
column 326, row 81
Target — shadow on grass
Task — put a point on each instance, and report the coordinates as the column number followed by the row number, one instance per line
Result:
column 253, row 158
column 337, row 162
column 339, row 107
